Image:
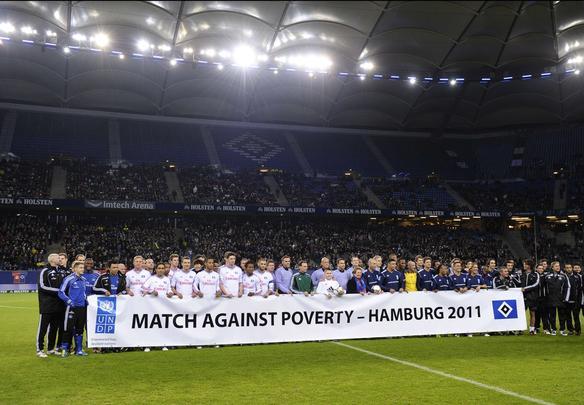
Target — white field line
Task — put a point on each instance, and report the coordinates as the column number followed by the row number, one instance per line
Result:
column 447, row 375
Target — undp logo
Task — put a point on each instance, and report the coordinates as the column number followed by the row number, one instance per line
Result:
column 106, row 315
column 505, row 309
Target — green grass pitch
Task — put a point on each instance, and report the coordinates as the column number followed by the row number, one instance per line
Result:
column 547, row 368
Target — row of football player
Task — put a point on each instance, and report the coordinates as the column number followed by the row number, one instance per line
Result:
column 546, row 292
column 419, row 274
column 549, row 293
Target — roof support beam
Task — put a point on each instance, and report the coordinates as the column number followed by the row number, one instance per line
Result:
column 66, row 75
column 172, row 50
column 277, row 29
column 558, row 78
column 369, row 35
column 496, row 65
column 439, row 69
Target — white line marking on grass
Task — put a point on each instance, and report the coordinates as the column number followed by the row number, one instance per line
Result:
column 447, row 375
column 12, row 306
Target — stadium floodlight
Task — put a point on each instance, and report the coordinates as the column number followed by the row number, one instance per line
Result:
column 66, row 50
column 50, row 34
column 208, row 52
column 101, row 40
column 28, row 30
column 367, row 66
column 452, row 82
column 310, row 62
column 142, row 45
column 244, row 56
column 188, row 51
column 7, row 27
column 412, row 80
column 164, row 47
column 79, row 37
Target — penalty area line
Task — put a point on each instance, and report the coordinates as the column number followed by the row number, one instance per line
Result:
column 447, row 375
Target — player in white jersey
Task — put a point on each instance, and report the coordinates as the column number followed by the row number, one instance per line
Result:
column 136, row 277
column 149, row 265
column 206, row 284
column 157, row 285
column 230, row 276
column 250, row 282
column 173, row 261
column 266, row 278
column 182, row 281
column 329, row 286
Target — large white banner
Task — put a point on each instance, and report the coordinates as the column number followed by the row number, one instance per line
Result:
column 125, row 321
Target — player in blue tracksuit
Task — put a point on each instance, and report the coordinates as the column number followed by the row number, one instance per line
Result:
column 488, row 276
column 90, row 276
column 72, row 292
column 458, row 278
column 425, row 277
column 391, row 279
column 474, row 280
column 442, row 281
column 372, row 276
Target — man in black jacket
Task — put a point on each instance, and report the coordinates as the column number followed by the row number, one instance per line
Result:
column 63, row 259
column 503, row 280
column 541, row 310
column 111, row 283
column 573, row 302
column 529, row 282
column 558, row 289
column 51, row 308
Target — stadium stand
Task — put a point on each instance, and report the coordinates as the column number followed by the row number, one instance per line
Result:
column 86, row 180
column 335, row 192
column 25, row 179
column 516, row 196
column 411, row 194
column 152, row 143
column 24, row 239
column 121, row 236
column 208, row 185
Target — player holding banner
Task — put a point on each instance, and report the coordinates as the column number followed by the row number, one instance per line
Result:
column 329, row 286
column 230, row 275
column 266, row 278
column 250, row 282
column 182, row 281
column 111, row 283
column 136, row 277
column 157, row 285
column 207, row 282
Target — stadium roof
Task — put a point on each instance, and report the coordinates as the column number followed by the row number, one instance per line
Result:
column 336, row 64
